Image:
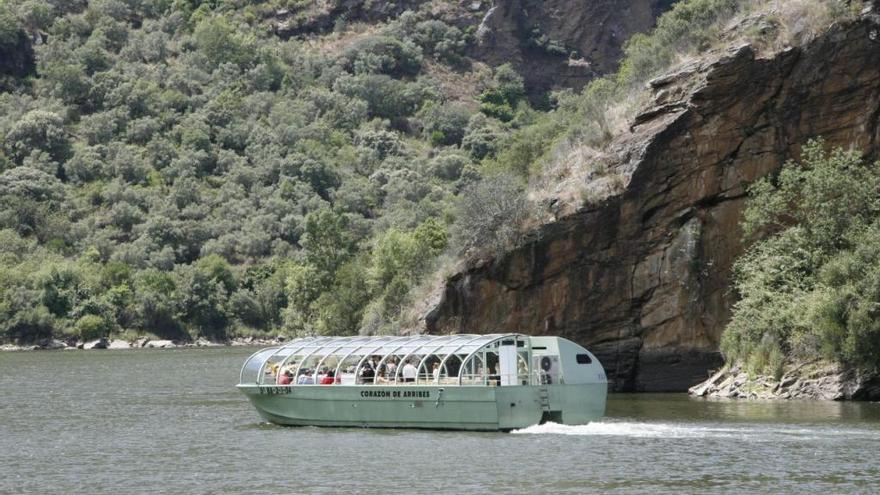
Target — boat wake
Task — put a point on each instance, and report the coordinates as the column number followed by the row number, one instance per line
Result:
column 672, row 430
column 628, row 429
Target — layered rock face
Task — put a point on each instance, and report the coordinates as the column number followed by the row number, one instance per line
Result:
column 643, row 279
column 552, row 43
column 814, row 381
column 562, row 43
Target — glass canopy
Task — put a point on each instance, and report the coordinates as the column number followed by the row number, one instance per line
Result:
column 461, row 359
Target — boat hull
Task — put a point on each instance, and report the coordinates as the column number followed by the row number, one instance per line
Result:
column 455, row 408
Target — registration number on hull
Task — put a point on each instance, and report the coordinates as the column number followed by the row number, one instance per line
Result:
column 274, row 390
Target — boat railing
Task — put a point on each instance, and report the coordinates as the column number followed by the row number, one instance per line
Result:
column 536, row 377
column 493, row 380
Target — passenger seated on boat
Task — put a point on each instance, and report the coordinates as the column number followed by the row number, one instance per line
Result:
column 329, row 378
column 392, row 368
column 272, row 369
column 367, row 373
column 306, row 378
column 409, row 372
column 494, row 377
column 285, row 378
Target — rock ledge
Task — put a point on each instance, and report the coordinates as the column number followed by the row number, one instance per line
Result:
column 817, row 380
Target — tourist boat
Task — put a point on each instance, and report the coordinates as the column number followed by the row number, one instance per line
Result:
column 461, row 382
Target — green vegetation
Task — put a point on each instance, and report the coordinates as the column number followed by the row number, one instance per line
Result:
column 605, row 107
column 176, row 169
column 811, row 288
column 588, row 119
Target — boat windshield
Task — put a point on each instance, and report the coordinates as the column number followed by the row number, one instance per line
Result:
column 458, row 360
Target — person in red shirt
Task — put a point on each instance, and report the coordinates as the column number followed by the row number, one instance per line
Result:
column 285, row 378
column 328, row 379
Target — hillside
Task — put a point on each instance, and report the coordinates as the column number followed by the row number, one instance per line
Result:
column 226, row 167
column 639, row 268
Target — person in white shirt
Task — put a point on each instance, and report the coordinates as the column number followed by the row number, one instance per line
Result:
column 392, row 369
column 436, row 372
column 409, row 372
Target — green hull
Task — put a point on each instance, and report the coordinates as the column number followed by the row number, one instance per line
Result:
column 453, row 407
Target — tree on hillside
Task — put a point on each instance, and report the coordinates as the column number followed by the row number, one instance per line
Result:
column 809, row 287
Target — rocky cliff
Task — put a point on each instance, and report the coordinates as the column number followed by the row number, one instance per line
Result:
column 813, row 380
column 643, row 278
column 562, row 43
column 552, row 43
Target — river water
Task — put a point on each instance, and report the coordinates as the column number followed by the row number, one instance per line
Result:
column 170, row 421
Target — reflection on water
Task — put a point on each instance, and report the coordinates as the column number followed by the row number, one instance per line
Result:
column 674, row 406
column 170, row 421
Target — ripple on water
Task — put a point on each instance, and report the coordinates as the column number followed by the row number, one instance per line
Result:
column 172, row 422
column 760, row 432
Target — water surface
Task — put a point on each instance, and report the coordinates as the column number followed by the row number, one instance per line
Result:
column 170, row 421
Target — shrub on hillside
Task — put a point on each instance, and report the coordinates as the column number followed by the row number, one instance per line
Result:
column 444, row 124
column 38, row 130
column 810, row 287
column 490, row 214
column 382, row 55
column 500, row 100
column 90, row 327
column 10, row 27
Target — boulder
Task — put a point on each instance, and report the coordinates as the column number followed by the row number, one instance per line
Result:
column 141, row 342
column 161, row 344
column 51, row 344
column 815, row 380
column 119, row 344
column 203, row 342
column 95, row 344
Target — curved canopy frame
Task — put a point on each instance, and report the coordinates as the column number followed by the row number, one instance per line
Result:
column 294, row 349
column 372, row 352
column 407, row 356
column 401, row 348
column 453, row 353
column 475, row 351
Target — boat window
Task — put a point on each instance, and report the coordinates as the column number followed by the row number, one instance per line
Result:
column 472, row 372
column 251, row 369
column 346, row 370
column 450, row 369
column 492, row 373
column 522, row 367
column 584, row 359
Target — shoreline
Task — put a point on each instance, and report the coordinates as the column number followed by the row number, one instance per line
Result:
column 810, row 380
column 139, row 343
